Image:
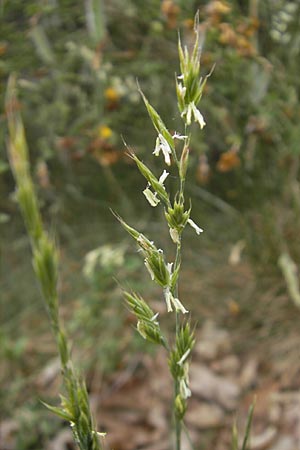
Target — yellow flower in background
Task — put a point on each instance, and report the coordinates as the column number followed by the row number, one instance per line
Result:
column 234, row 308
column 188, row 23
column 111, row 95
column 245, row 47
column 203, row 170
column 104, row 132
column 215, row 10
column 3, row 48
column 171, row 11
column 227, row 36
column 239, row 38
column 228, row 160
column 217, row 7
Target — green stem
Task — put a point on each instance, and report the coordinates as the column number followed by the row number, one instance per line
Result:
column 186, row 431
column 177, row 328
column 177, row 261
column 177, row 421
column 178, row 433
column 176, row 392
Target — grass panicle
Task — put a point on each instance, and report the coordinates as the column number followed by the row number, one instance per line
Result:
column 189, row 88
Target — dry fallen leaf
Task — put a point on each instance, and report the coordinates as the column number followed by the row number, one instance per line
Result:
column 8, row 430
column 263, row 440
column 284, row 443
column 62, row 441
column 204, row 415
column 215, row 388
column 248, row 375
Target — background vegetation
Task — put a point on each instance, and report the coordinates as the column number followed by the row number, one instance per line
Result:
column 77, row 65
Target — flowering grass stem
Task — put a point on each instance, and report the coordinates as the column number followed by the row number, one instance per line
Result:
column 189, row 89
column 74, row 403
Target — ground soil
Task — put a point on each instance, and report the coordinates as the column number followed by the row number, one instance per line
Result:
column 247, row 348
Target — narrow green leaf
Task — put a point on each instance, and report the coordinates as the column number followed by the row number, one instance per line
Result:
column 59, row 412
column 235, row 443
column 134, row 233
column 248, row 425
column 158, row 122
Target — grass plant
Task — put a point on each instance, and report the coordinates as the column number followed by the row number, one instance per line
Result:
column 74, row 403
column 174, row 148
column 177, row 211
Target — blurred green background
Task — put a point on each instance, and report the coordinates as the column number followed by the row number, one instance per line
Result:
column 77, row 64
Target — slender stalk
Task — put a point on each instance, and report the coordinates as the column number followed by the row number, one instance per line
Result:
column 165, row 274
column 177, row 426
column 178, row 421
column 186, row 431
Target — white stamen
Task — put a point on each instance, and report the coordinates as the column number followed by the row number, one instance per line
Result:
column 168, row 296
column 198, row 116
column 182, row 90
column 195, row 226
column 165, row 148
column 163, row 177
column 169, row 267
column 178, row 136
column 151, row 197
column 153, row 319
column 157, row 147
column 100, row 433
column 178, row 305
column 189, row 115
column 174, row 235
column 184, row 356
column 162, row 144
column 184, row 389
